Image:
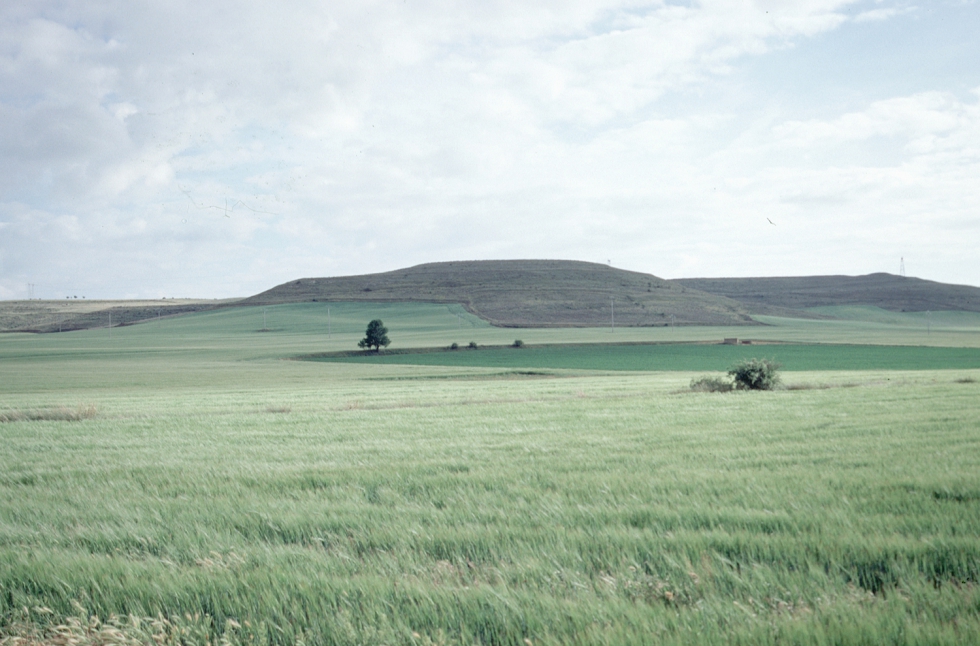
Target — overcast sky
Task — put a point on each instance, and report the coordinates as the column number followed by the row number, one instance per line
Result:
column 215, row 149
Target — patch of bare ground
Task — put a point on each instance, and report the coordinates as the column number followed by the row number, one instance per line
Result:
column 55, row 414
column 278, row 410
column 809, row 386
column 709, row 386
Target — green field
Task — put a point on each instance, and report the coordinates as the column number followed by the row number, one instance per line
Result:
column 236, row 494
column 682, row 356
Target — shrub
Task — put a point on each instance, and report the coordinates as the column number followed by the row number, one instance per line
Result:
column 711, row 385
column 454, row 346
column 518, row 343
column 472, row 345
column 755, row 374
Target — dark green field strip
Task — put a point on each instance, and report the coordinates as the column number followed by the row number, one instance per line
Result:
column 684, row 357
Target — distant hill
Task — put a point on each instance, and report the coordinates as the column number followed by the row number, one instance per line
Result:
column 541, row 293
column 526, row 293
column 887, row 291
column 67, row 315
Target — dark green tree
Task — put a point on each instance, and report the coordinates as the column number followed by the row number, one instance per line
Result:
column 755, row 374
column 375, row 336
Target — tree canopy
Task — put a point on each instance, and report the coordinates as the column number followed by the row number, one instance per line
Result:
column 375, row 336
column 755, row 374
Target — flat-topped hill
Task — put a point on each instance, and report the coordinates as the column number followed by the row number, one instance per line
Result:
column 542, row 293
column 887, row 291
column 526, row 293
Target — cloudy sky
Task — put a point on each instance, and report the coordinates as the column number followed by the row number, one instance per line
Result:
column 216, row 148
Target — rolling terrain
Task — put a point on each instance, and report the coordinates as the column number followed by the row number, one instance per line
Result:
column 548, row 294
column 526, row 293
column 69, row 315
column 886, row 291
column 185, row 482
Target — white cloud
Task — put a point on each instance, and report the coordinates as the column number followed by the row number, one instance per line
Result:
column 877, row 15
column 318, row 138
column 918, row 119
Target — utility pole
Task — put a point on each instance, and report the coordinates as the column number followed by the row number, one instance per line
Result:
column 110, row 325
column 263, row 318
column 328, row 322
column 612, row 315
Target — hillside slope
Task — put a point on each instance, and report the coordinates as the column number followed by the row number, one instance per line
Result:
column 526, row 293
column 68, row 315
column 887, row 291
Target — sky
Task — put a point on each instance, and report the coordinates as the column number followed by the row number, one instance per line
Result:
column 213, row 148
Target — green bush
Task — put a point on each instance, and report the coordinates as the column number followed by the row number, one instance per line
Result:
column 711, row 385
column 518, row 343
column 454, row 346
column 473, row 345
column 755, row 374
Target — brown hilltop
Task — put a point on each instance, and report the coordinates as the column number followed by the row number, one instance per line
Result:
column 525, row 293
column 887, row 291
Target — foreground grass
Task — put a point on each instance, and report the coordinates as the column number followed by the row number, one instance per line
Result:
column 367, row 507
column 180, row 482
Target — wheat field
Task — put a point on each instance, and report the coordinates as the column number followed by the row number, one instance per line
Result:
column 185, row 482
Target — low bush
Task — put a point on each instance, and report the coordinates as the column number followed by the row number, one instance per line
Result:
column 473, row 345
column 518, row 343
column 711, row 385
column 454, row 346
column 755, row 374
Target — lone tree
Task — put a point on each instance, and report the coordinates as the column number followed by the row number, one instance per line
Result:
column 375, row 336
column 755, row 374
